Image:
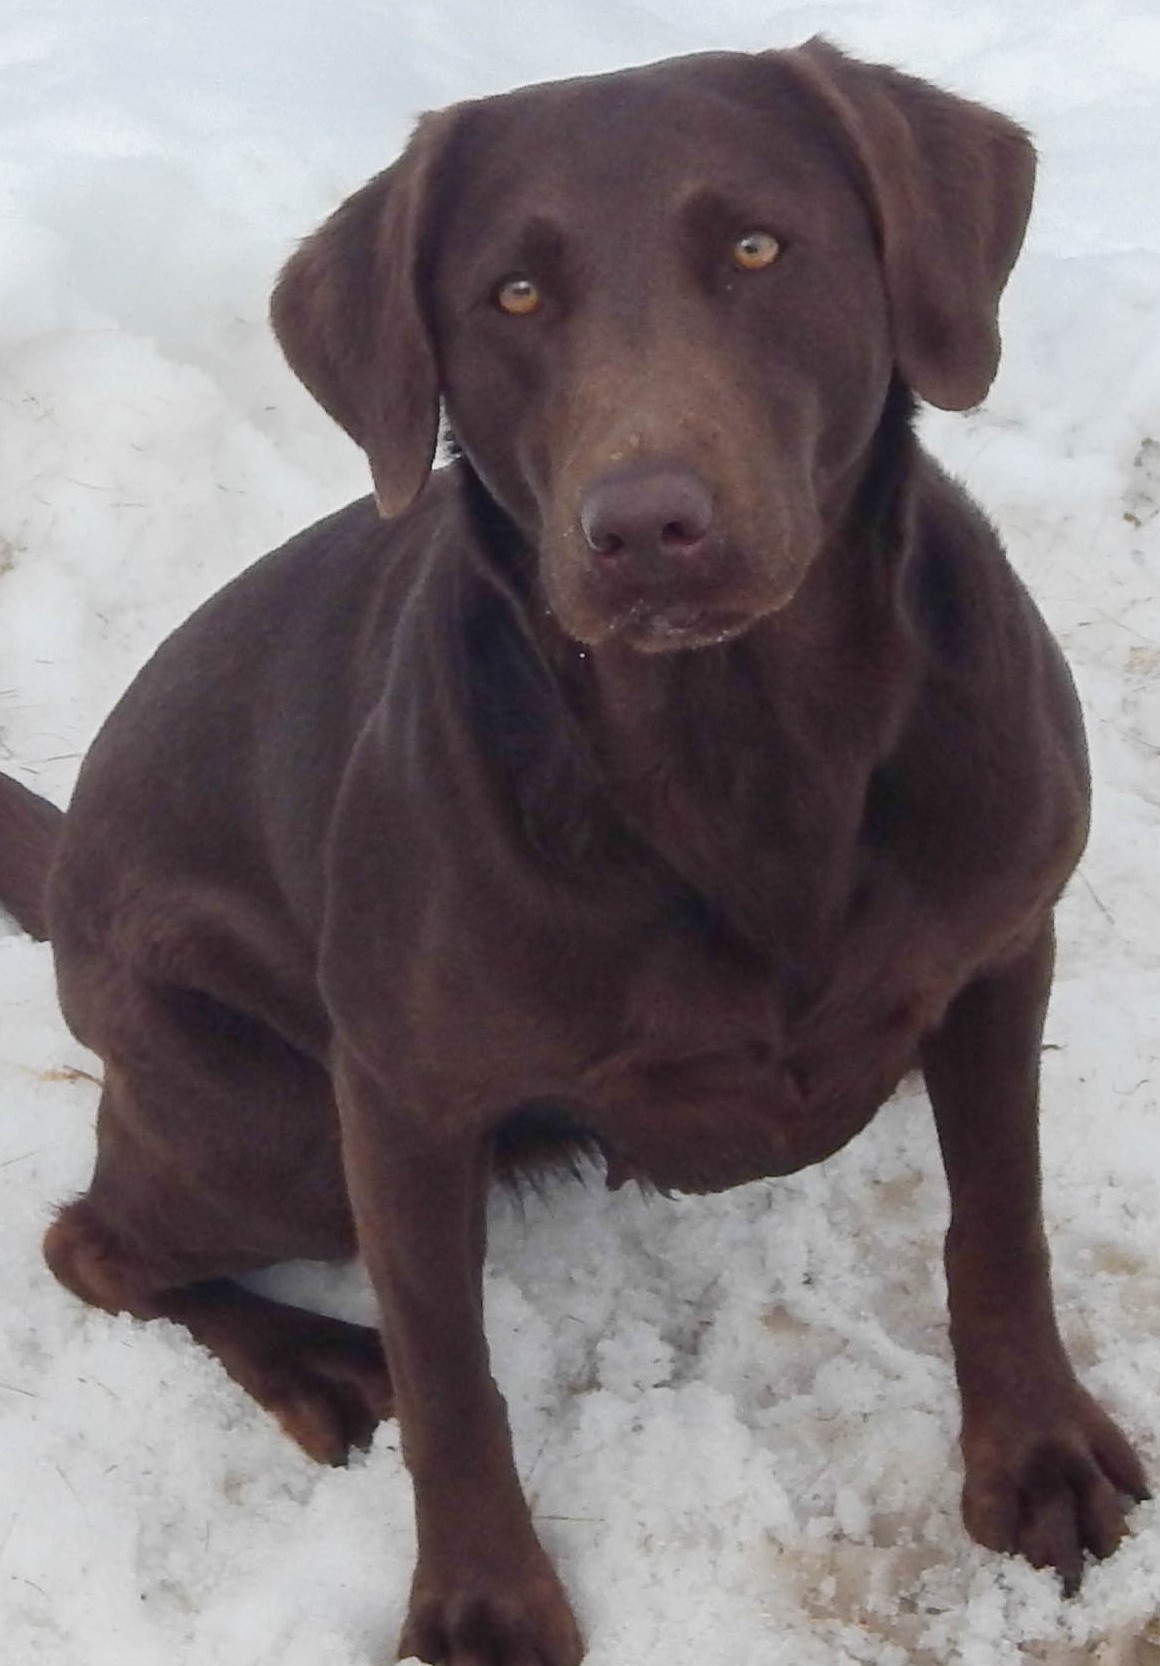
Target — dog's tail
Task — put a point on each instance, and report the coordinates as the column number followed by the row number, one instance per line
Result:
column 29, row 834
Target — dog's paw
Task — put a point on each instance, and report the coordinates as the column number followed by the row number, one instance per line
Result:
column 513, row 1620
column 324, row 1380
column 1050, row 1483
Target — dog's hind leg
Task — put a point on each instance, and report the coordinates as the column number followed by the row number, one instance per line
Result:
column 324, row 1380
column 213, row 1162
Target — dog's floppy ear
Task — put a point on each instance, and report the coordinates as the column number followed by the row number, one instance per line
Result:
column 949, row 184
column 347, row 312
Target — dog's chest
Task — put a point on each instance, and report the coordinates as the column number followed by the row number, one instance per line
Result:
column 719, row 1075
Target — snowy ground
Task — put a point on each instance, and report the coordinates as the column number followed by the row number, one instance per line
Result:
column 736, row 1417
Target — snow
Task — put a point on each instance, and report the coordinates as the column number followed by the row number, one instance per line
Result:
column 735, row 1417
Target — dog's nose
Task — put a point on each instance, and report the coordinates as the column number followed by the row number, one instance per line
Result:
column 647, row 510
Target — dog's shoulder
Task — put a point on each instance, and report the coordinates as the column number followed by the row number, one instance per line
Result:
column 993, row 755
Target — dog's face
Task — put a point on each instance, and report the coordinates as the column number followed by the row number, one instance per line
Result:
column 663, row 340
column 663, row 309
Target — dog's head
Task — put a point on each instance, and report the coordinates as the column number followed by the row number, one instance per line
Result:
column 663, row 310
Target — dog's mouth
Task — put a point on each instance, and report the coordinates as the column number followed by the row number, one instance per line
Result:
column 658, row 628
column 672, row 601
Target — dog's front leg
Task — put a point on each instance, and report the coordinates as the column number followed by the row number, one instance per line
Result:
column 483, row 1590
column 1045, row 1468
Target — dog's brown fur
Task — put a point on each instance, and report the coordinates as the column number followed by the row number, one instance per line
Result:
column 670, row 772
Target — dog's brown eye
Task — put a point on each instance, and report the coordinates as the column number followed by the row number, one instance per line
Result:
column 519, row 296
column 755, row 250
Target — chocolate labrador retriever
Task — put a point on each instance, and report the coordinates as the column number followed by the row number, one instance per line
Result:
column 666, row 776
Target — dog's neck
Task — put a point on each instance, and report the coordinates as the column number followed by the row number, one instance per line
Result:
column 775, row 734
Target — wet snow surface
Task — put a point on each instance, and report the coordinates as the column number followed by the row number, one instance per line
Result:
column 736, row 1418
